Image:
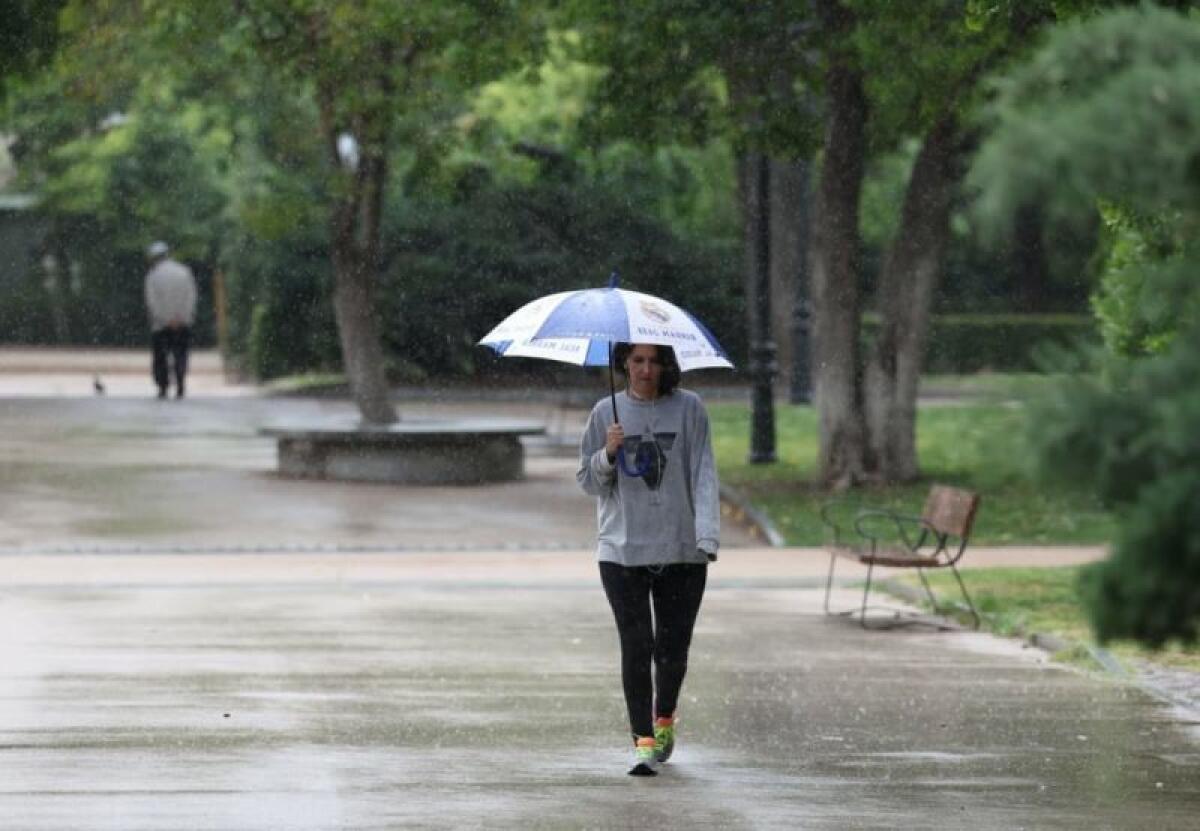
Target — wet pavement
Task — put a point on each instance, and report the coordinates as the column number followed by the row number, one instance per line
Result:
column 130, row 473
column 192, row 643
column 288, row 701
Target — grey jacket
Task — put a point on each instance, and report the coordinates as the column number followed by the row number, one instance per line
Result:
column 170, row 295
column 673, row 513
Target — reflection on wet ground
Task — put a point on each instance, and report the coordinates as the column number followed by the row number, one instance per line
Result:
column 273, row 705
column 449, row 679
column 133, row 474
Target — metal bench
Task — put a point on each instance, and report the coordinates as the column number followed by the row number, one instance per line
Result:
column 936, row 539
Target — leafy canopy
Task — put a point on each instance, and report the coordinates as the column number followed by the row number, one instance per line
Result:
column 1108, row 110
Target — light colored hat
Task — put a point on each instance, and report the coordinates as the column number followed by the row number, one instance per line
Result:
column 158, row 248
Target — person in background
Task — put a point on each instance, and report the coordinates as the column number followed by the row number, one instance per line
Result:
column 171, row 304
column 658, row 507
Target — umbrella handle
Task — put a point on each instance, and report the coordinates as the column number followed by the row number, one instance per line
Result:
column 612, row 387
column 640, row 468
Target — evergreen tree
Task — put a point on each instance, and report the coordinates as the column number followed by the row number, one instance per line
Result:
column 1107, row 114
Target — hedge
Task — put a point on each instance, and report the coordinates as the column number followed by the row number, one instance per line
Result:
column 967, row 343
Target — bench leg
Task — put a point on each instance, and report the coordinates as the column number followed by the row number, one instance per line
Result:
column 829, row 588
column 966, row 596
column 961, row 585
column 929, row 591
column 829, row 582
column 862, row 619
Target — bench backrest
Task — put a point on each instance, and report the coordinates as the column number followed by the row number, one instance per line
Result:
column 951, row 510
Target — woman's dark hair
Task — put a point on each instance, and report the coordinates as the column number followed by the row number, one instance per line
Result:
column 671, row 374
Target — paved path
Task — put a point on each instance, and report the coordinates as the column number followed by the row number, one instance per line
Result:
column 270, row 693
column 130, row 472
column 162, row 669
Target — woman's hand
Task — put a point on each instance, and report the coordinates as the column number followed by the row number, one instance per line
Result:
column 614, row 438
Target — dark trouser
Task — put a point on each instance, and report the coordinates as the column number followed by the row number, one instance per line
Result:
column 174, row 343
column 662, row 640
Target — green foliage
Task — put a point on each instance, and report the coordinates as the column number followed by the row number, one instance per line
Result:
column 883, row 190
column 541, row 105
column 1127, row 427
column 106, row 194
column 1108, row 114
column 920, row 58
column 1131, row 435
column 978, row 277
column 688, row 71
column 507, row 246
column 691, row 188
column 1143, row 256
column 1108, row 110
column 149, row 177
column 281, row 317
column 965, row 343
column 28, row 33
column 1150, row 589
column 454, row 268
column 379, row 71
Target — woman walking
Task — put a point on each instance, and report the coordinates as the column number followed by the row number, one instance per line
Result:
column 658, row 510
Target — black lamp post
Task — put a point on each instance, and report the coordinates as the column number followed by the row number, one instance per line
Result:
column 801, row 380
column 763, row 367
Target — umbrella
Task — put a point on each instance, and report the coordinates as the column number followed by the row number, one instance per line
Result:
column 580, row 327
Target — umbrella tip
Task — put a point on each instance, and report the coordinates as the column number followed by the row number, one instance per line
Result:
column 614, row 279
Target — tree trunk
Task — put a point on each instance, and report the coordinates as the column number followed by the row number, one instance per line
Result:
column 910, row 272
column 355, row 221
column 358, row 332
column 835, row 267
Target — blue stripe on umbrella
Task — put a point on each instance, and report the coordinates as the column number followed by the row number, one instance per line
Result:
column 712, row 340
column 592, row 313
column 597, row 354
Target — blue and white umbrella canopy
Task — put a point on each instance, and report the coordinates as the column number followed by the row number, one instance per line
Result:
column 579, row 327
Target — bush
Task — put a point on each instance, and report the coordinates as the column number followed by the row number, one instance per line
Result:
column 281, row 306
column 1130, row 433
column 94, row 294
column 454, row 268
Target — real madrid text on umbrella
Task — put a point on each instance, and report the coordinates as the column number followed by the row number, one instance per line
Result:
column 580, row 327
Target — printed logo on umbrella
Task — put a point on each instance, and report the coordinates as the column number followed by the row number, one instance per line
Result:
column 655, row 311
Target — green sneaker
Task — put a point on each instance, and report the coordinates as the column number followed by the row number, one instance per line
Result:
column 643, row 758
column 664, row 738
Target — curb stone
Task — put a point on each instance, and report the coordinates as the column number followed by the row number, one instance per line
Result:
column 740, row 510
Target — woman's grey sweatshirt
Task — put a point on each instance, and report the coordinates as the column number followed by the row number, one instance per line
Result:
column 670, row 515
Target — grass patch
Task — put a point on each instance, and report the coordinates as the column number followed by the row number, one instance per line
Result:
column 978, row 446
column 990, row 386
column 1018, row 602
column 307, row 383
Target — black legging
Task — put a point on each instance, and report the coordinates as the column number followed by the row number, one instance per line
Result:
column 174, row 343
column 676, row 591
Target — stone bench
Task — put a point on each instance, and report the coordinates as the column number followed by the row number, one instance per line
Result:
column 411, row 452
